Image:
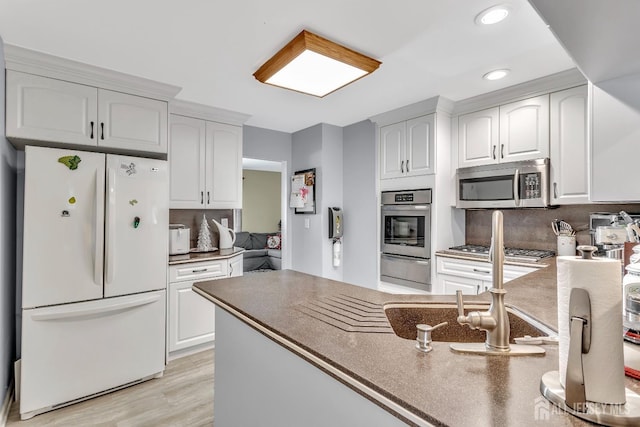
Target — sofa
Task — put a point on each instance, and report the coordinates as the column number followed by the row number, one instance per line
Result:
column 262, row 250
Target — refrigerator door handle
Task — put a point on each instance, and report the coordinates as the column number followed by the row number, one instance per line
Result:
column 111, row 226
column 97, row 252
column 72, row 312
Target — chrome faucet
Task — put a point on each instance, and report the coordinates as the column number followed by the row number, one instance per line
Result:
column 495, row 321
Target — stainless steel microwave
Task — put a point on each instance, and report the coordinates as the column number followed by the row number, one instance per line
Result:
column 523, row 184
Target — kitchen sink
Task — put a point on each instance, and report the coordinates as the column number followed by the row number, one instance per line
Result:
column 404, row 317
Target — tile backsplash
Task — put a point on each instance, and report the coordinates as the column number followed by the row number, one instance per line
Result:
column 531, row 228
column 192, row 218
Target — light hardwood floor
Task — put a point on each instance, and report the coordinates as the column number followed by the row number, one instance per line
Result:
column 182, row 397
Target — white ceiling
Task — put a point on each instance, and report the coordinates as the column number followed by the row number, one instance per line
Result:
column 211, row 48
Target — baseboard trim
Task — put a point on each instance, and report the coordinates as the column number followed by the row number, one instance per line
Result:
column 6, row 405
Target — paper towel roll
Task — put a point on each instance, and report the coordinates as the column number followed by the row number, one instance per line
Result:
column 603, row 366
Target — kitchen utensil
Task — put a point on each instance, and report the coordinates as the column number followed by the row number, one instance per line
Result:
column 555, row 227
column 566, row 228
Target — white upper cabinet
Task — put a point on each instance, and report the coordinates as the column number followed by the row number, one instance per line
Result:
column 205, row 161
column 524, row 129
column 420, row 142
column 132, row 122
column 223, row 166
column 407, row 148
column 187, row 162
column 392, row 144
column 50, row 110
column 478, row 138
column 511, row 132
column 569, row 146
column 615, row 140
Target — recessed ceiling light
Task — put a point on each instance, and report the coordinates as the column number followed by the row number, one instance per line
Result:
column 314, row 65
column 496, row 74
column 493, row 15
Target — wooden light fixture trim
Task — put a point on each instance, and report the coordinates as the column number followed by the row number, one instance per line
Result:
column 313, row 42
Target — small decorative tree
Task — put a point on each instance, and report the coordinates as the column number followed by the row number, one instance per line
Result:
column 204, row 236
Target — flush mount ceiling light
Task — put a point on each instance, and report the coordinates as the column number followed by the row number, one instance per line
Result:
column 496, row 74
column 493, row 15
column 314, row 65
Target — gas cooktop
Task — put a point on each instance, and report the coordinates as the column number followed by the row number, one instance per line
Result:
column 511, row 254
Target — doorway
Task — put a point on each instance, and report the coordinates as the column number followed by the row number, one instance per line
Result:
column 264, row 204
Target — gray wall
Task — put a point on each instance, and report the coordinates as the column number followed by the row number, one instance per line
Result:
column 345, row 160
column 306, row 153
column 7, row 248
column 360, row 246
column 266, row 144
column 331, row 188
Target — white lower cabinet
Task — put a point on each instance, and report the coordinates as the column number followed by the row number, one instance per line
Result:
column 191, row 317
column 472, row 277
column 452, row 284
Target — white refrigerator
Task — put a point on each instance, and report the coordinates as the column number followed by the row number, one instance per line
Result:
column 94, row 274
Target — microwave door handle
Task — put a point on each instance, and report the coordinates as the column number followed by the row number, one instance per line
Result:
column 516, row 187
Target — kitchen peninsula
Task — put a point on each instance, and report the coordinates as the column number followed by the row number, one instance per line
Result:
column 279, row 362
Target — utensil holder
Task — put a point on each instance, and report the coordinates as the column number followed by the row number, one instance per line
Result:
column 566, row 245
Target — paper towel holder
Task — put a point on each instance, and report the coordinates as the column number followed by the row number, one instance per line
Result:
column 579, row 344
column 572, row 399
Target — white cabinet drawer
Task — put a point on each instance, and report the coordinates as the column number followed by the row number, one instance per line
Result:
column 197, row 271
column 463, row 268
column 478, row 269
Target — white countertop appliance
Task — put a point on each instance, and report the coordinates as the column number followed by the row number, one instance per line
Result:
column 179, row 238
column 94, row 275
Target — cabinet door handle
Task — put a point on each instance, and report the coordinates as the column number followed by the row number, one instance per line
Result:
column 502, row 151
column 101, row 130
column 202, row 197
column 555, row 190
column 230, row 270
column 208, row 198
column 199, row 270
column 494, row 152
column 91, row 131
column 477, row 270
column 402, row 166
column 477, row 289
column 407, row 166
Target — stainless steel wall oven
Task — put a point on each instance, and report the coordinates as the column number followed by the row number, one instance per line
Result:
column 406, row 238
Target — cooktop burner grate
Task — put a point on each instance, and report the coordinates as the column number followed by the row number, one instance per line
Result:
column 510, row 253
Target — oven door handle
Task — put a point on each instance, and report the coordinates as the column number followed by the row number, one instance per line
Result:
column 425, row 261
column 404, row 207
column 516, row 187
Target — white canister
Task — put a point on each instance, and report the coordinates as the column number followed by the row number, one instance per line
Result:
column 566, row 245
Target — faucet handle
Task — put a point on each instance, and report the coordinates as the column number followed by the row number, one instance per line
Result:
column 460, row 303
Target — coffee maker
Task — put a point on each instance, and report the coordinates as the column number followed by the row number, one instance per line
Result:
column 608, row 232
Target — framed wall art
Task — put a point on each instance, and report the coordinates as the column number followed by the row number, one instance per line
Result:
column 303, row 191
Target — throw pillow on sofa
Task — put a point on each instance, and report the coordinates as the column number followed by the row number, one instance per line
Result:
column 274, row 242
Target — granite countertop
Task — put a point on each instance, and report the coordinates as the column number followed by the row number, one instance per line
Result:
column 204, row 256
column 441, row 387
